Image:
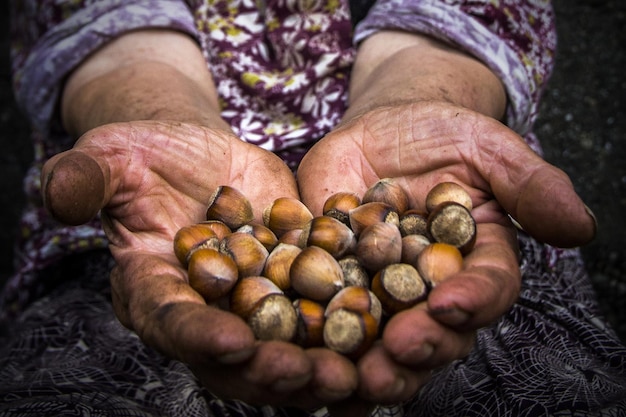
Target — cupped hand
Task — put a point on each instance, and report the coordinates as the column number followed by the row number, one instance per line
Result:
column 422, row 144
column 150, row 179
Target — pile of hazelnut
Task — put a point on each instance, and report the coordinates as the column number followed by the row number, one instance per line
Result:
column 331, row 280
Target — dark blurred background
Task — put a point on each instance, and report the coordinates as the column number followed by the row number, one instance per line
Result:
column 582, row 127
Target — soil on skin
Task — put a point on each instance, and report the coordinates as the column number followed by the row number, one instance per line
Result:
column 582, row 127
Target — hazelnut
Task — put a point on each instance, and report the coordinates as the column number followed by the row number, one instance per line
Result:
column 368, row 214
column 278, row 264
column 262, row 233
column 248, row 253
column 452, row 223
column 378, row 246
column 230, row 206
column 354, row 274
column 438, row 261
column 350, row 333
column 291, row 237
column 219, row 227
column 398, row 287
column 358, row 299
column 274, row 318
column 315, row 274
column 413, row 222
column 446, row 192
column 412, row 245
column 211, row 273
column 339, row 205
column 248, row 292
column 285, row 214
column 310, row 327
column 329, row 234
column 387, row 191
column 192, row 237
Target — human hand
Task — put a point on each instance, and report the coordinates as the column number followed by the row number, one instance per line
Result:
column 150, row 179
column 420, row 145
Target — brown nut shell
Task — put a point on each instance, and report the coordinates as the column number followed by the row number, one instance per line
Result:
column 192, row 237
column 350, row 333
column 219, row 227
column 379, row 245
column 452, row 223
column 291, row 237
column 230, row 206
column 356, row 299
column 413, row 222
column 329, row 234
column 448, row 192
column 248, row 292
column 412, row 245
column 388, row 191
column 354, row 274
column 339, row 205
column 248, row 253
column 273, row 318
column 278, row 264
column 262, row 233
column 316, row 274
column 368, row 214
column 438, row 261
column 211, row 273
column 398, row 287
column 285, row 214
column 310, row 328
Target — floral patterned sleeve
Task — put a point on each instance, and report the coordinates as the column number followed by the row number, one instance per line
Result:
column 52, row 38
column 516, row 39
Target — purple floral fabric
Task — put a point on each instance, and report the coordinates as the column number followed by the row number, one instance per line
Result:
column 516, row 39
column 281, row 68
column 281, row 71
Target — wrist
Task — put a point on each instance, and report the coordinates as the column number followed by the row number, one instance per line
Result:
column 145, row 75
column 394, row 68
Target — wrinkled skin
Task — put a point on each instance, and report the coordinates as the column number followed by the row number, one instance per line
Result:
column 419, row 145
column 156, row 177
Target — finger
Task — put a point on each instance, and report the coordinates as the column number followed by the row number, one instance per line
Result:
column 486, row 287
column 539, row 196
column 73, row 187
column 275, row 374
column 384, row 380
column 335, row 377
column 160, row 306
column 420, row 342
column 280, row 368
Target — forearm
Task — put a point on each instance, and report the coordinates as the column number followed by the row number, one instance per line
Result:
column 396, row 67
column 145, row 75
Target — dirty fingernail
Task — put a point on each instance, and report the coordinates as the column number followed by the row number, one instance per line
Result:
column 286, row 385
column 235, row 357
column 451, row 316
column 593, row 217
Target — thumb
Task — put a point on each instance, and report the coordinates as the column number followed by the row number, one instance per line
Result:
column 542, row 199
column 73, row 187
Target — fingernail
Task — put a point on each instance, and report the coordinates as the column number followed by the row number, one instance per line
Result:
column 417, row 354
column 451, row 316
column 593, row 217
column 286, row 385
column 235, row 357
column 398, row 387
column 332, row 395
column 516, row 223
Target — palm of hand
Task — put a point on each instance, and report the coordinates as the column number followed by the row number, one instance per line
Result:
column 157, row 177
column 419, row 145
